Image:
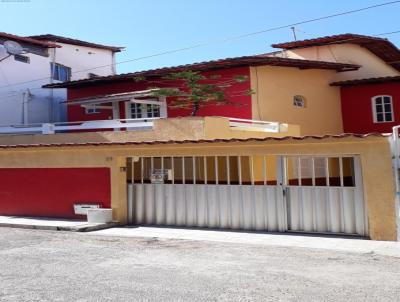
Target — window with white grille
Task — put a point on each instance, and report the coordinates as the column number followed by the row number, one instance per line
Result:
column 382, row 108
column 142, row 110
column 136, row 110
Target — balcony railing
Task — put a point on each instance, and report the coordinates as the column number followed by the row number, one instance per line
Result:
column 51, row 128
column 129, row 125
column 254, row 125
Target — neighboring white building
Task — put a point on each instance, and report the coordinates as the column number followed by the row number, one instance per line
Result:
column 22, row 100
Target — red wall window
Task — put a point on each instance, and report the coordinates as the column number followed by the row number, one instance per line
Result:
column 371, row 107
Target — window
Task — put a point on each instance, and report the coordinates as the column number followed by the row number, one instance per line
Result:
column 382, row 108
column 92, row 75
column 144, row 110
column 299, row 101
column 23, row 59
column 136, row 110
column 92, row 110
column 153, row 111
column 60, row 72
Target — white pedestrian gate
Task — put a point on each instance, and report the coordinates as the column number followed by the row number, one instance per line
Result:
column 262, row 193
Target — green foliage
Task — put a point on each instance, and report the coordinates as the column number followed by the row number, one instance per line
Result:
column 139, row 78
column 196, row 90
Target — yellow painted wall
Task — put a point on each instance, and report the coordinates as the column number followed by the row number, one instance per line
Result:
column 374, row 152
column 275, row 88
column 371, row 65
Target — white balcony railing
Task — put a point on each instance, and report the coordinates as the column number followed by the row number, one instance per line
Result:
column 51, row 128
column 254, row 125
column 130, row 125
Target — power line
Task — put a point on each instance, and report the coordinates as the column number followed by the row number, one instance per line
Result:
column 224, row 40
column 328, row 43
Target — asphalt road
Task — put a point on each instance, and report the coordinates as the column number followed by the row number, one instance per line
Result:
column 40, row 265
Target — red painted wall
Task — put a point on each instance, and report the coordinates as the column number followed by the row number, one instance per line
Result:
column 52, row 192
column 357, row 107
column 242, row 110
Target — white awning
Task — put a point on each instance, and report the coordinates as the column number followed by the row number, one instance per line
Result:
column 133, row 97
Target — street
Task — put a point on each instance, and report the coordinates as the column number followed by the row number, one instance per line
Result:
column 38, row 265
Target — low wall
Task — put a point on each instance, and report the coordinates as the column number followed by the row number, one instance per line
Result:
column 186, row 128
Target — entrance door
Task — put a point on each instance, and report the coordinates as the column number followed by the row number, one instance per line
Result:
column 324, row 194
column 230, row 192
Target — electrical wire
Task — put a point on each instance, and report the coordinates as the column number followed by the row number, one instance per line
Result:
column 329, row 43
column 224, row 40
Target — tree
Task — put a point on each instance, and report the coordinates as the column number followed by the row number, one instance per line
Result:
column 193, row 90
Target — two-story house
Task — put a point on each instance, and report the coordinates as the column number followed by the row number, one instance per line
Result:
column 276, row 159
column 291, row 86
column 43, row 59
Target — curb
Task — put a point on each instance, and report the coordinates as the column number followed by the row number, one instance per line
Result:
column 82, row 228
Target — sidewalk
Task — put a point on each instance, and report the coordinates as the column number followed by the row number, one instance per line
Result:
column 53, row 224
column 387, row 248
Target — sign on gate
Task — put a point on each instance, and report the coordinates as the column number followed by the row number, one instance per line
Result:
column 158, row 176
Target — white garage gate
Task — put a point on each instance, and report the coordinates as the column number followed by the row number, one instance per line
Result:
column 261, row 193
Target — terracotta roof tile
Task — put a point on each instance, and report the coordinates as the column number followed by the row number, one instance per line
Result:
column 203, row 141
column 29, row 40
column 256, row 60
column 382, row 48
column 367, row 81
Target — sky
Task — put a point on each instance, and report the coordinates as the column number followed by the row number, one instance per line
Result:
column 147, row 27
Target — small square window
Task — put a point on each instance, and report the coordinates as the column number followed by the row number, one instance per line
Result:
column 299, row 101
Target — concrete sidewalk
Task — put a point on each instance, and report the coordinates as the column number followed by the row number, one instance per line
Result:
column 52, row 224
column 355, row 245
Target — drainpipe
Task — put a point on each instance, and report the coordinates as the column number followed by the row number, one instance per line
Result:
column 51, row 93
column 26, row 97
column 113, row 67
column 395, row 146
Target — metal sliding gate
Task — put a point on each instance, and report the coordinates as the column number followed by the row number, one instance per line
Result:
column 262, row 193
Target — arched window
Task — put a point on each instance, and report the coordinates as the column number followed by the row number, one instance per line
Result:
column 382, row 108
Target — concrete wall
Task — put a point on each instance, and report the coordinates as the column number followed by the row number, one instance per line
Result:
column 275, row 88
column 81, row 58
column 44, row 105
column 11, row 96
column 374, row 152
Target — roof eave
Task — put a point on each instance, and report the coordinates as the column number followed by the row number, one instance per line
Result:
column 277, row 62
